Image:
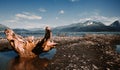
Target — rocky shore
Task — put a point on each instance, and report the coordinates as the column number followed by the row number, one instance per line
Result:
column 89, row 52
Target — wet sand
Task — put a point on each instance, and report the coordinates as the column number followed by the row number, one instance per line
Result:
column 90, row 52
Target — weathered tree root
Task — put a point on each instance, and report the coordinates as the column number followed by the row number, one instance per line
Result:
column 28, row 47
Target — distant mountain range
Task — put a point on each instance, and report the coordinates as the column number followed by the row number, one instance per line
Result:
column 88, row 26
column 21, row 30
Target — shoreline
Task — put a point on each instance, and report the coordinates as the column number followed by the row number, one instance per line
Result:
column 89, row 52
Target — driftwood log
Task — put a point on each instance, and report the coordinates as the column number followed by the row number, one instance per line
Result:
column 28, row 46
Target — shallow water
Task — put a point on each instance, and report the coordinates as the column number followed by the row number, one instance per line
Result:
column 39, row 34
column 10, row 61
column 118, row 48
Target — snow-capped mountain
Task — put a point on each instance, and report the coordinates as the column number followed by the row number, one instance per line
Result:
column 93, row 26
column 93, row 23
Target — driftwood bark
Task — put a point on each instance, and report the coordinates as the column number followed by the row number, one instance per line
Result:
column 28, row 47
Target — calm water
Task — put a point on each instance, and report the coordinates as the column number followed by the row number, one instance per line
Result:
column 10, row 61
column 60, row 33
column 118, row 48
column 83, row 33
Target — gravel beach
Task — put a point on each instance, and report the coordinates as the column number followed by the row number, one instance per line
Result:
column 89, row 52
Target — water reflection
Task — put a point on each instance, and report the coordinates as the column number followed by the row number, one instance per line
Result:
column 118, row 48
column 27, row 64
column 10, row 61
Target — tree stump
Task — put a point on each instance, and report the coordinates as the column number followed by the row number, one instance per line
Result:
column 27, row 47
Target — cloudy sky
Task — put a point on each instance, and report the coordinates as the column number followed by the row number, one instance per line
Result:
column 40, row 13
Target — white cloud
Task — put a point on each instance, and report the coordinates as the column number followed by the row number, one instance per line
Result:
column 42, row 10
column 74, row 0
column 25, row 24
column 10, row 21
column 61, row 12
column 34, row 25
column 24, row 16
column 28, row 13
column 23, row 20
column 56, row 18
column 28, row 16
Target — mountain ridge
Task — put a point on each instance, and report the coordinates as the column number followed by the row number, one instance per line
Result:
column 89, row 26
